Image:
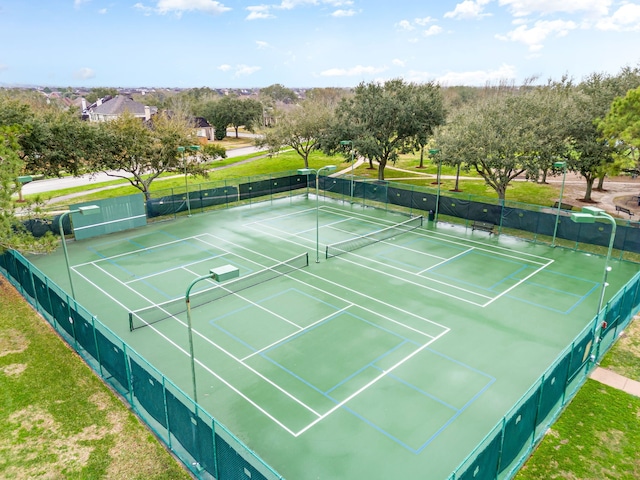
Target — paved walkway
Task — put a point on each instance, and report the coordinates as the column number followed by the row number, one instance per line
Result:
column 615, row 380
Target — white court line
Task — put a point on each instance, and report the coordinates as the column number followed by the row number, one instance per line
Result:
column 169, row 270
column 201, row 238
column 404, row 278
column 518, row 283
column 344, row 300
column 208, row 340
column 133, row 252
column 285, row 215
column 301, row 329
column 365, row 387
column 205, row 367
column 257, row 305
column 445, row 260
column 496, row 250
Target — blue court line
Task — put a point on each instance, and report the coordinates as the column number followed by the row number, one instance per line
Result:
column 123, row 269
column 370, row 364
column 547, row 307
column 510, row 276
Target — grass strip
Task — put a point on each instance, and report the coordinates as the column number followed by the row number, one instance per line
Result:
column 57, row 418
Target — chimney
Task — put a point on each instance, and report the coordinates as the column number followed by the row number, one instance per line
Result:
column 84, row 104
column 98, row 102
column 147, row 112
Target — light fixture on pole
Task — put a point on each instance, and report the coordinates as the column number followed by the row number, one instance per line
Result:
column 562, row 165
column 589, row 215
column 350, row 143
column 191, row 356
column 309, row 171
column 193, row 148
column 433, row 152
column 87, row 210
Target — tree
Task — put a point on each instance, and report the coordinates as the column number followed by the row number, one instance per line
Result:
column 13, row 234
column 144, row 152
column 300, row 129
column 549, row 108
column 494, row 137
column 56, row 142
column 279, row 93
column 385, row 119
column 621, row 126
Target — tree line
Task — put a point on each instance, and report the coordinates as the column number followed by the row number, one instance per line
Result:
column 502, row 131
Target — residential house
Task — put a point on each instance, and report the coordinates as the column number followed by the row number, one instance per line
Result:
column 112, row 108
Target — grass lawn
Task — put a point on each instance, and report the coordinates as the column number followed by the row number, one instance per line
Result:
column 598, row 435
column 57, row 419
column 470, row 185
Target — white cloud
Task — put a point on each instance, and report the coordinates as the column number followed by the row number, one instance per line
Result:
column 262, row 45
column 358, row 70
column 344, row 13
column 478, row 77
column 424, row 21
column 244, row 70
column 419, row 22
column 433, row 30
column 102, row 11
column 84, row 73
column 397, row 62
column 405, row 25
column 77, row 3
column 520, row 8
column 259, row 12
column 224, row 67
column 146, row 11
column 534, row 37
column 468, row 9
column 626, row 18
column 180, row 6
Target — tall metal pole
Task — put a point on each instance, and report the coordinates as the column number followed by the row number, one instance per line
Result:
column 308, row 171
column 87, row 210
column 191, row 355
column 433, row 152
column 564, row 176
column 64, row 248
column 607, row 268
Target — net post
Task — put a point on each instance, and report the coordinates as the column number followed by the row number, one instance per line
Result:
column 131, row 321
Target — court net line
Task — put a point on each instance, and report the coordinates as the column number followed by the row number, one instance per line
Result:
column 352, row 244
column 155, row 313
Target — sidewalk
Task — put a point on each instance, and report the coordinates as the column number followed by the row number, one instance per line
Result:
column 615, row 380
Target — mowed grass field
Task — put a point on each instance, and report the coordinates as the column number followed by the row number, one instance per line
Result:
column 57, row 419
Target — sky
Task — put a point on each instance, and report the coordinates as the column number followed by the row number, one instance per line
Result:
column 312, row 43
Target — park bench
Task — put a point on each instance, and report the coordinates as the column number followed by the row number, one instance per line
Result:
column 563, row 206
column 484, row 226
column 624, row 210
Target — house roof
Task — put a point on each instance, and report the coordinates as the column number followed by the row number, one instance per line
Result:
column 120, row 104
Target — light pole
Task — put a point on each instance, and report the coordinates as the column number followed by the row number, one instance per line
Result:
column 184, row 163
column 434, row 152
column 309, row 171
column 88, row 210
column 562, row 165
column 589, row 215
column 193, row 362
column 350, row 143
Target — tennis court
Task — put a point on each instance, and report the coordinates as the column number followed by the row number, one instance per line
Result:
column 392, row 358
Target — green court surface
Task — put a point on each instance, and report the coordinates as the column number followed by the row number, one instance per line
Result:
column 391, row 361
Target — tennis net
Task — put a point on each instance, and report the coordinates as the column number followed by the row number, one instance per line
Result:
column 155, row 313
column 345, row 246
